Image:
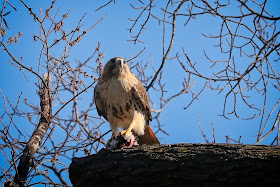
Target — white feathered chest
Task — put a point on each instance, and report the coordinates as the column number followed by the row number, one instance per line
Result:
column 119, row 103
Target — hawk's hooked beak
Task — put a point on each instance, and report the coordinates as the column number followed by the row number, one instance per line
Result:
column 120, row 62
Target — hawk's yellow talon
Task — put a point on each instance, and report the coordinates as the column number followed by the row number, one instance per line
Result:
column 123, row 132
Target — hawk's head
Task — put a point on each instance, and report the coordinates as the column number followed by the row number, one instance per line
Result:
column 115, row 67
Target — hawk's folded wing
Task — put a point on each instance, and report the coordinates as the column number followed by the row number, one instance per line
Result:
column 139, row 92
column 99, row 104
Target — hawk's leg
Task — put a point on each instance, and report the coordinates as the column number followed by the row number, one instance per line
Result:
column 138, row 127
column 112, row 143
column 128, row 136
column 127, row 131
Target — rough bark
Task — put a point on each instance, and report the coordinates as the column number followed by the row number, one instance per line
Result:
column 35, row 140
column 179, row 164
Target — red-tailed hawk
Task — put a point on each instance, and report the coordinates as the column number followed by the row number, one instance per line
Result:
column 122, row 100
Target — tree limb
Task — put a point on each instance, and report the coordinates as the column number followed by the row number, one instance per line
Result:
column 37, row 136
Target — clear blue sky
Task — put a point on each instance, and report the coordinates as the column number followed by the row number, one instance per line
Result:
column 112, row 33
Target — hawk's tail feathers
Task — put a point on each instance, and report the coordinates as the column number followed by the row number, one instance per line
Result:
column 149, row 138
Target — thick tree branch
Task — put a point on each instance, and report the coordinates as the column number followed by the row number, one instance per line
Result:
column 178, row 164
column 37, row 136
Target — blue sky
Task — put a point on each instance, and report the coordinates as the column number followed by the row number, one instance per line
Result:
column 112, row 33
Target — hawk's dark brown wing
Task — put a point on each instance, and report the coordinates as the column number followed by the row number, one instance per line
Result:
column 99, row 104
column 140, row 93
